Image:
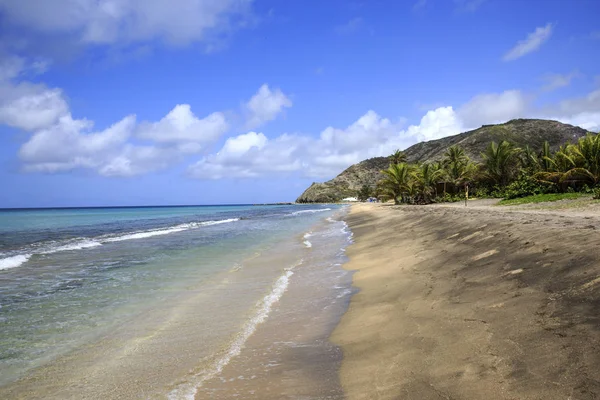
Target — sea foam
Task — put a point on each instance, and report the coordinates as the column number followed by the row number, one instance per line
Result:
column 14, row 261
column 310, row 211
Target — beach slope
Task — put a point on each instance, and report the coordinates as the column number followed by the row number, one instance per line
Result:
column 472, row 303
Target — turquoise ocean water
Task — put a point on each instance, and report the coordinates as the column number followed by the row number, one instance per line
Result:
column 79, row 288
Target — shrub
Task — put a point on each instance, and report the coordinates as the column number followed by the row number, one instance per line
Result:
column 596, row 192
column 482, row 192
column 524, row 185
column 450, row 198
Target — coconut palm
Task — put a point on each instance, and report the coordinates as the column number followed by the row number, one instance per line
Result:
column 556, row 167
column 397, row 157
column 454, row 156
column 545, row 157
column 530, row 160
column 586, row 158
column 500, row 162
column 427, row 177
column 395, row 181
column 459, row 169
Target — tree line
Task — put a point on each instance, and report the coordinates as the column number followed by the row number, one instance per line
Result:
column 505, row 171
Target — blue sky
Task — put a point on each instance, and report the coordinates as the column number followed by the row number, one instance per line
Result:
column 130, row 102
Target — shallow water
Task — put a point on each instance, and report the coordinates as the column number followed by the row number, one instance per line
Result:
column 150, row 303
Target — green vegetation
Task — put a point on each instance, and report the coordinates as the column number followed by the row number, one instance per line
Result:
column 540, row 198
column 397, row 157
column 364, row 193
column 506, row 171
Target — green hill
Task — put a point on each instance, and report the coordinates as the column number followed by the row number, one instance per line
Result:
column 521, row 132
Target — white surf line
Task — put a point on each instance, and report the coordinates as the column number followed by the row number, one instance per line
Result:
column 86, row 243
column 187, row 391
column 310, row 211
column 307, row 242
column 14, row 261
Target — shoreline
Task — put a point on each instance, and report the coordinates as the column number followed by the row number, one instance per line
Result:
column 230, row 332
column 471, row 303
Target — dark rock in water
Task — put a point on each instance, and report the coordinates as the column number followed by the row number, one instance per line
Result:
column 521, row 132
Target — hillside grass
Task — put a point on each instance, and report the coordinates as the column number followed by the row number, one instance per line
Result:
column 541, row 198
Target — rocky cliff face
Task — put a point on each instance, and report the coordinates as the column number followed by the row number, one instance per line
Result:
column 521, row 132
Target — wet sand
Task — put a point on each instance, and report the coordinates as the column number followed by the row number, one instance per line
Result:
column 480, row 302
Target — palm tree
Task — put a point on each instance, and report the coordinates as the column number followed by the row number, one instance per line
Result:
column 397, row 157
column 581, row 163
column 396, row 180
column 529, row 160
column 500, row 162
column 459, row 169
column 545, row 157
column 427, row 176
column 556, row 167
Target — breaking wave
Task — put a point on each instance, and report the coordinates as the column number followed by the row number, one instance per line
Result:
column 16, row 260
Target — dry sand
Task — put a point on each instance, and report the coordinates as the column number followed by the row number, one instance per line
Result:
column 479, row 302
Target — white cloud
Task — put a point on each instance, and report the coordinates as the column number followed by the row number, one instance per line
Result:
column 243, row 143
column 557, row 81
column 180, row 125
column 26, row 105
column 587, row 120
column 69, row 144
column 493, row 108
column 533, row 42
column 30, row 106
column 11, row 67
column 128, row 21
column 581, row 111
column 337, row 148
column 587, row 103
column 254, row 155
column 437, row 124
column 265, row 106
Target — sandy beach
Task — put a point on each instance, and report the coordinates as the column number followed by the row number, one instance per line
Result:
column 477, row 302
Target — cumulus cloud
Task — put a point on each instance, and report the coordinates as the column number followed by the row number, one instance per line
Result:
column 254, row 155
column 25, row 105
column 128, row 21
column 30, row 106
column 180, row 125
column 582, row 111
column 493, row 108
column 436, row 124
column 265, row 106
column 532, row 43
column 71, row 143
